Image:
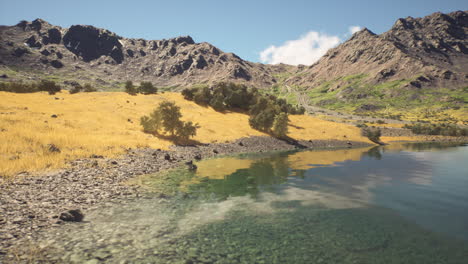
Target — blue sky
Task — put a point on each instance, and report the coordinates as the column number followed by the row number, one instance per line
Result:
column 244, row 27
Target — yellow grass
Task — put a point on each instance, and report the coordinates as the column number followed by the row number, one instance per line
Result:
column 108, row 124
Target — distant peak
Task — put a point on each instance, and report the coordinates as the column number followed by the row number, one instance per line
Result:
column 39, row 21
column 184, row 39
column 365, row 32
column 36, row 24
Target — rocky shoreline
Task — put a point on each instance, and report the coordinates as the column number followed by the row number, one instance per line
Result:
column 30, row 203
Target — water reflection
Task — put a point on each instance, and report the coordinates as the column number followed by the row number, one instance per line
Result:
column 417, row 180
column 392, row 204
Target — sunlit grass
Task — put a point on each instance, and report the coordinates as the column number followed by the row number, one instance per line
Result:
column 108, row 124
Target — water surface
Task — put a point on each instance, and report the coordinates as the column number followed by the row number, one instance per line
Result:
column 404, row 203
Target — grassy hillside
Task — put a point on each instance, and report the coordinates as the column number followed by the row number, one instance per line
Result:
column 108, row 124
column 392, row 99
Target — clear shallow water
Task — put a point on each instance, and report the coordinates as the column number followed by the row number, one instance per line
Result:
column 394, row 204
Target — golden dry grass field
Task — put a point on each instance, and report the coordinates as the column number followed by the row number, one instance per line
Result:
column 107, row 123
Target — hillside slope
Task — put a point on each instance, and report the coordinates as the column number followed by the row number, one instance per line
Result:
column 90, row 54
column 86, row 124
column 418, row 61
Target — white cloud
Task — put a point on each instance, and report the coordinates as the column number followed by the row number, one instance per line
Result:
column 305, row 50
column 354, row 29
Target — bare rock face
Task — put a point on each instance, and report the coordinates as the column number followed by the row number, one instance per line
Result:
column 54, row 36
column 90, row 43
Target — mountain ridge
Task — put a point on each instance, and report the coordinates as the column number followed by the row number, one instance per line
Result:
column 428, row 52
column 425, row 46
column 177, row 61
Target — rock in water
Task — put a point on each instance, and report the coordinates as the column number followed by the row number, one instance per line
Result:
column 72, row 216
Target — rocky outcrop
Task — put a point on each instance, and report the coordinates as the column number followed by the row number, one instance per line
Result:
column 91, row 43
column 434, row 47
column 109, row 58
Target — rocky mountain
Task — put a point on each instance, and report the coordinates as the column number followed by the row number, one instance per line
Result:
column 90, row 54
column 415, row 55
column 419, row 61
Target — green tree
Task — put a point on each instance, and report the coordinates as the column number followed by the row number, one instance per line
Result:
column 263, row 120
column 373, row 134
column 170, row 116
column 130, row 88
column 280, row 125
column 186, row 130
column 147, row 88
column 218, row 103
column 167, row 117
column 202, row 96
column 152, row 123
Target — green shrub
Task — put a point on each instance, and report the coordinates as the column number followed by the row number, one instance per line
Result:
column 18, row 87
column 188, row 94
column 166, row 119
column 381, row 122
column 186, row 130
column 373, row 134
column 88, row 88
column 437, row 129
column 202, row 96
column 263, row 121
column 49, row 86
column 147, row 88
column 130, row 88
column 76, row 89
column 280, row 125
column 217, row 102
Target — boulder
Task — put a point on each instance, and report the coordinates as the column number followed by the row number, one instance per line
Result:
column 54, row 36
column 33, row 42
column 91, row 43
column 184, row 39
column 45, row 52
column 241, row 73
column 200, row 62
column 56, row 64
column 72, row 216
column 18, row 52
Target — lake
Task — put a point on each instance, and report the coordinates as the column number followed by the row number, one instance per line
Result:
column 401, row 203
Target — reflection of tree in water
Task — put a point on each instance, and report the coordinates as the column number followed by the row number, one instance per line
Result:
column 266, row 173
column 374, row 153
